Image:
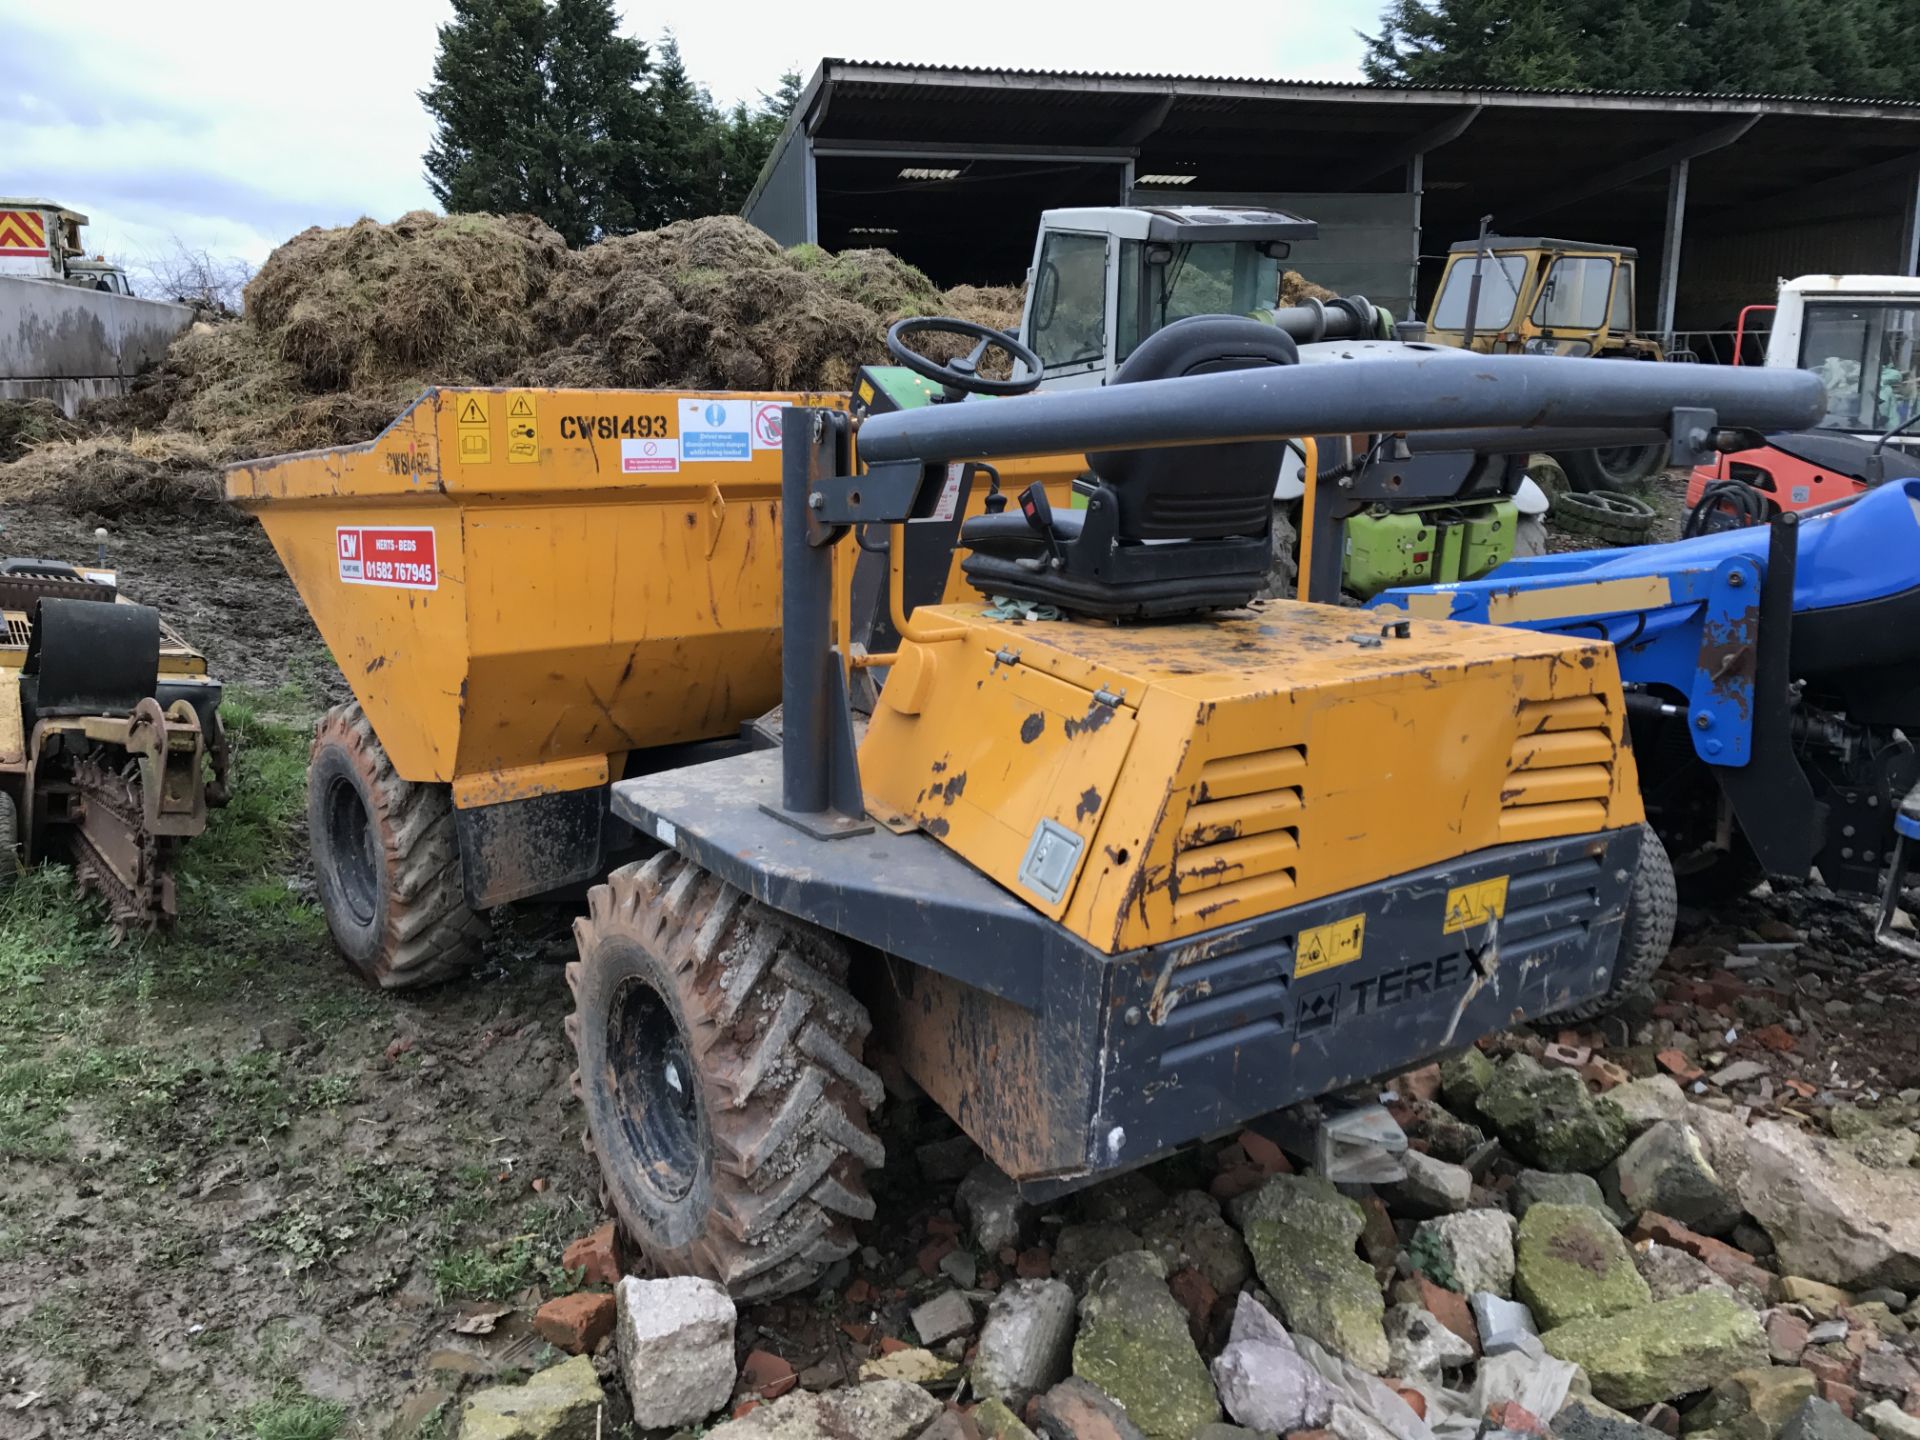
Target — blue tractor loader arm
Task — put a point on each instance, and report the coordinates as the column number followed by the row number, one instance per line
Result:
column 1772, row 674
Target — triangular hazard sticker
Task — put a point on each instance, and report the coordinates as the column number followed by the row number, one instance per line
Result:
column 521, row 409
column 471, row 413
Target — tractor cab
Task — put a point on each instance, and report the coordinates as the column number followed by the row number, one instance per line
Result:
column 1105, row 278
column 1535, row 296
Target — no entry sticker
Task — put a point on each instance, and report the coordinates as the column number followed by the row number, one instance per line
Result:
column 397, row 555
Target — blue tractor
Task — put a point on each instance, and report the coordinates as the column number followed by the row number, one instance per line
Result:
column 1772, row 675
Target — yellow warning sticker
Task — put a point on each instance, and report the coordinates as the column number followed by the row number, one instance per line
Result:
column 1470, row 906
column 866, row 391
column 1325, row 946
column 474, row 413
column 523, row 430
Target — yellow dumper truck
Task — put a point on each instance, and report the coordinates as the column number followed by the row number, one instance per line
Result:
column 1111, row 858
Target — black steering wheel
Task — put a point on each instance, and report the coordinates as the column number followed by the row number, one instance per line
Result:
column 962, row 376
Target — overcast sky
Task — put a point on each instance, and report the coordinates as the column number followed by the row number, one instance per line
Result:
column 232, row 124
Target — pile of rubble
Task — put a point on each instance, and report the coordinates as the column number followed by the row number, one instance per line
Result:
column 1583, row 1245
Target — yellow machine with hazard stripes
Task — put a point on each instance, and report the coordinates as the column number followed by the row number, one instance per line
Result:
column 1117, row 856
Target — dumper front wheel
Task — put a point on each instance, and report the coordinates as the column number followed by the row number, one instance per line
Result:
column 386, row 860
column 1646, row 935
column 721, row 1074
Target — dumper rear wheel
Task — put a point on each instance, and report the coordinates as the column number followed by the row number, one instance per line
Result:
column 721, row 1074
column 1646, row 935
column 386, row 859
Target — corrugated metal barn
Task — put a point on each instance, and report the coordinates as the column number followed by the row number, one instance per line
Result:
column 1721, row 194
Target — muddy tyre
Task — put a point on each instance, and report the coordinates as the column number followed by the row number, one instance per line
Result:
column 1646, row 935
column 1605, row 515
column 1619, row 468
column 386, row 860
column 9, row 842
column 721, row 1074
column 1550, row 475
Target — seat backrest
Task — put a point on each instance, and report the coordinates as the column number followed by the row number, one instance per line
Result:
column 1200, row 492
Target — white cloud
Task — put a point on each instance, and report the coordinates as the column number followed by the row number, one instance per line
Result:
column 232, row 124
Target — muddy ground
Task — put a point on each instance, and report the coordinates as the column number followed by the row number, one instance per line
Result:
column 247, row 1196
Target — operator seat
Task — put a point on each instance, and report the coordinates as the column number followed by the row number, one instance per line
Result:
column 1168, row 531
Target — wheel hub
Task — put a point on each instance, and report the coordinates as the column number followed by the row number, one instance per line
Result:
column 658, row 1098
column 351, row 841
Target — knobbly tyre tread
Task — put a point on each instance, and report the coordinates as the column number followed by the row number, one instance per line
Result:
column 1586, row 473
column 9, row 841
column 775, row 1041
column 1604, row 514
column 1646, row 934
column 428, row 932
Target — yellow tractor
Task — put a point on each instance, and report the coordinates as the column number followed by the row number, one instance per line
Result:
column 1513, row 295
column 1102, row 853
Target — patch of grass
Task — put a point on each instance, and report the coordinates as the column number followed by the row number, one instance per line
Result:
column 56, row 1325
column 468, row 1268
column 255, row 841
column 488, row 1272
column 298, row 1417
column 308, row 1237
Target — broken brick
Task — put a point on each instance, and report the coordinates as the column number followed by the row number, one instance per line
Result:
column 1676, row 1064
column 1265, row 1154
column 943, row 1225
column 1197, row 1297
column 1837, row 1394
column 1511, row 1415
column 1416, row 1402
column 595, row 1253
column 1786, row 1336
column 1571, row 1056
column 1831, row 1368
column 767, row 1374
column 933, row 1252
column 1421, row 1084
column 1603, row 1075
column 1034, row 1264
column 1450, row 1308
column 1729, row 1262
column 575, row 1323
column 1241, row 1179
column 1775, row 1037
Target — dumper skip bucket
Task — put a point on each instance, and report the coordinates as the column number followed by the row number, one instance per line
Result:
column 524, row 586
